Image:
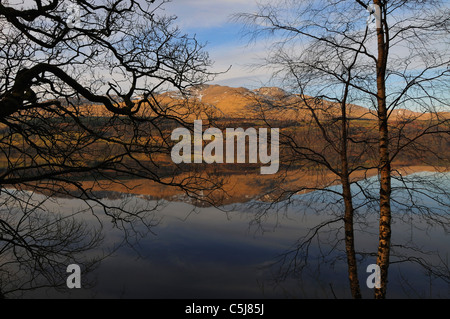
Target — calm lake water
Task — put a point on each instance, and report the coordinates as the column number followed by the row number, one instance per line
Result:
column 232, row 252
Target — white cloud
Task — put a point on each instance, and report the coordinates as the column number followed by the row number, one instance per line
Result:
column 225, row 51
column 241, row 60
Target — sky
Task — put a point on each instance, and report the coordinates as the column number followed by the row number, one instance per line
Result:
column 210, row 21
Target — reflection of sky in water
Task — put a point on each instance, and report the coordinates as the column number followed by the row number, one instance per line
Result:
column 215, row 254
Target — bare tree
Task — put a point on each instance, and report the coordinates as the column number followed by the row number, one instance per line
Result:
column 331, row 60
column 83, row 106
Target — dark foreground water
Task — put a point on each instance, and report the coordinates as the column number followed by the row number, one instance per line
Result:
column 242, row 251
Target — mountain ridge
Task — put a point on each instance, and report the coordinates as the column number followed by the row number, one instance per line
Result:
column 274, row 103
column 239, row 102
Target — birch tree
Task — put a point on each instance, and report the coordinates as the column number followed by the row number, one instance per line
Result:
column 388, row 56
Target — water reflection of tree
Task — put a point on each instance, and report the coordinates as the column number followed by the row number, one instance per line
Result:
column 319, row 250
column 37, row 245
column 40, row 238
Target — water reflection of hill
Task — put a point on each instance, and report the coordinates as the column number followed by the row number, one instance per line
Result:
column 237, row 187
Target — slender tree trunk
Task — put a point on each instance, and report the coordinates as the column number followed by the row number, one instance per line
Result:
column 350, row 240
column 384, row 241
column 348, row 201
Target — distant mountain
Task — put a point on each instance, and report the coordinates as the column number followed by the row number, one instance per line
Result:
column 270, row 102
column 225, row 101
